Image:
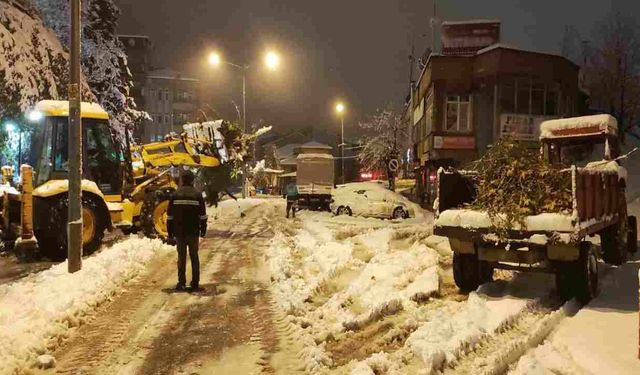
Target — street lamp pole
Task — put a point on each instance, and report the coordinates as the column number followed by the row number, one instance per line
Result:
column 244, row 126
column 74, row 226
column 342, row 146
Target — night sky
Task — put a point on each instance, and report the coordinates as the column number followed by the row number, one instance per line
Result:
column 355, row 50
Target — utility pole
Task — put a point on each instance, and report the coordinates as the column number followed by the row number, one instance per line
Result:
column 342, row 146
column 74, row 229
column 244, row 127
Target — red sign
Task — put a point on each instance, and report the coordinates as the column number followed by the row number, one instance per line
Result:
column 454, row 143
column 468, row 37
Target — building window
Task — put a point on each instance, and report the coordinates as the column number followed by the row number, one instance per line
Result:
column 166, row 119
column 507, row 96
column 458, row 113
column 523, row 91
column 551, row 101
column 166, row 95
column 537, row 99
column 428, row 115
column 159, row 95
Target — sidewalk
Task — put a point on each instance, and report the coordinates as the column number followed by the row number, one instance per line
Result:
column 602, row 338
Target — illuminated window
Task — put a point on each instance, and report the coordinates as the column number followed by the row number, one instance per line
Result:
column 458, row 110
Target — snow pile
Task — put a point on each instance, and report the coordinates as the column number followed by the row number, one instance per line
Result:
column 230, row 208
column 393, row 277
column 466, row 218
column 37, row 312
column 442, row 339
column 547, row 359
column 596, row 124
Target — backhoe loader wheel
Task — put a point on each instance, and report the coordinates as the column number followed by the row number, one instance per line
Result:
column 53, row 243
column 154, row 214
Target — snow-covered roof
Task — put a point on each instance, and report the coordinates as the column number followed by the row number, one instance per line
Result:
column 469, row 22
column 314, row 144
column 315, row 156
column 133, row 36
column 506, row 46
column 61, row 108
column 578, row 126
column 290, row 174
column 169, row 74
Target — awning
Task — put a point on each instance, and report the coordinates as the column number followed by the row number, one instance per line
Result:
column 290, row 174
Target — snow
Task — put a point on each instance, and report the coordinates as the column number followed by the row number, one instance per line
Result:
column 37, row 311
column 230, row 208
column 376, row 275
column 466, row 218
column 602, row 338
column 315, row 156
column 61, row 108
column 595, row 124
column 442, row 339
column 607, row 166
column 345, row 195
column 468, row 22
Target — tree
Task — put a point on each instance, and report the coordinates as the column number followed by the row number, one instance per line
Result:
column 612, row 71
column 387, row 136
column 104, row 63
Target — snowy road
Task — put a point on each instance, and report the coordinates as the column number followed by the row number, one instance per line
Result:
column 330, row 295
column 232, row 327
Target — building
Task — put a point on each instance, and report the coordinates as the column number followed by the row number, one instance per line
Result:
column 171, row 100
column 480, row 90
column 138, row 50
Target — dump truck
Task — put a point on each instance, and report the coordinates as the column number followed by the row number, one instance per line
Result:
column 552, row 242
column 314, row 179
column 127, row 189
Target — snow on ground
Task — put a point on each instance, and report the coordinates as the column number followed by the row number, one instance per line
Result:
column 335, row 275
column 230, row 208
column 36, row 312
column 602, row 338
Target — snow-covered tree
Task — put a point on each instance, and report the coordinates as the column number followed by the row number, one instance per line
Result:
column 386, row 136
column 104, row 63
column 34, row 66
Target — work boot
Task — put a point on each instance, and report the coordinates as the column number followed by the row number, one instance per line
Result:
column 196, row 288
column 180, row 287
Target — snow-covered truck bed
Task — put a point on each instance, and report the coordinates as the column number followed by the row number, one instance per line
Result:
column 549, row 242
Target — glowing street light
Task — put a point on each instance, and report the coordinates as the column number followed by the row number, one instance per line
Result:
column 340, row 108
column 34, row 116
column 214, row 59
column 272, row 60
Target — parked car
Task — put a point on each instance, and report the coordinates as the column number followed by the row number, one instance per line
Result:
column 370, row 199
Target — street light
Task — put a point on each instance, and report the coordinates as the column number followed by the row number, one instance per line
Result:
column 272, row 61
column 340, row 108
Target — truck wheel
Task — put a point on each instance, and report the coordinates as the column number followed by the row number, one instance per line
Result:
column 579, row 279
column 154, row 214
column 632, row 240
column 613, row 242
column 466, row 271
column 54, row 245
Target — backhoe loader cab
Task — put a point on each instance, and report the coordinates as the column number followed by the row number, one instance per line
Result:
column 40, row 207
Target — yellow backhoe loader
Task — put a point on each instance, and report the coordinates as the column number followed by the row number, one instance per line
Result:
column 127, row 190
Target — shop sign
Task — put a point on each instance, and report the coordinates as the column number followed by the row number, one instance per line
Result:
column 521, row 127
column 454, row 143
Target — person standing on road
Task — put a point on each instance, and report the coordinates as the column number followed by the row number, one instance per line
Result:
column 186, row 221
column 292, row 197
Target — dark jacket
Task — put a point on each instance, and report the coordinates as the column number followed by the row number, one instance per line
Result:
column 291, row 192
column 187, row 214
